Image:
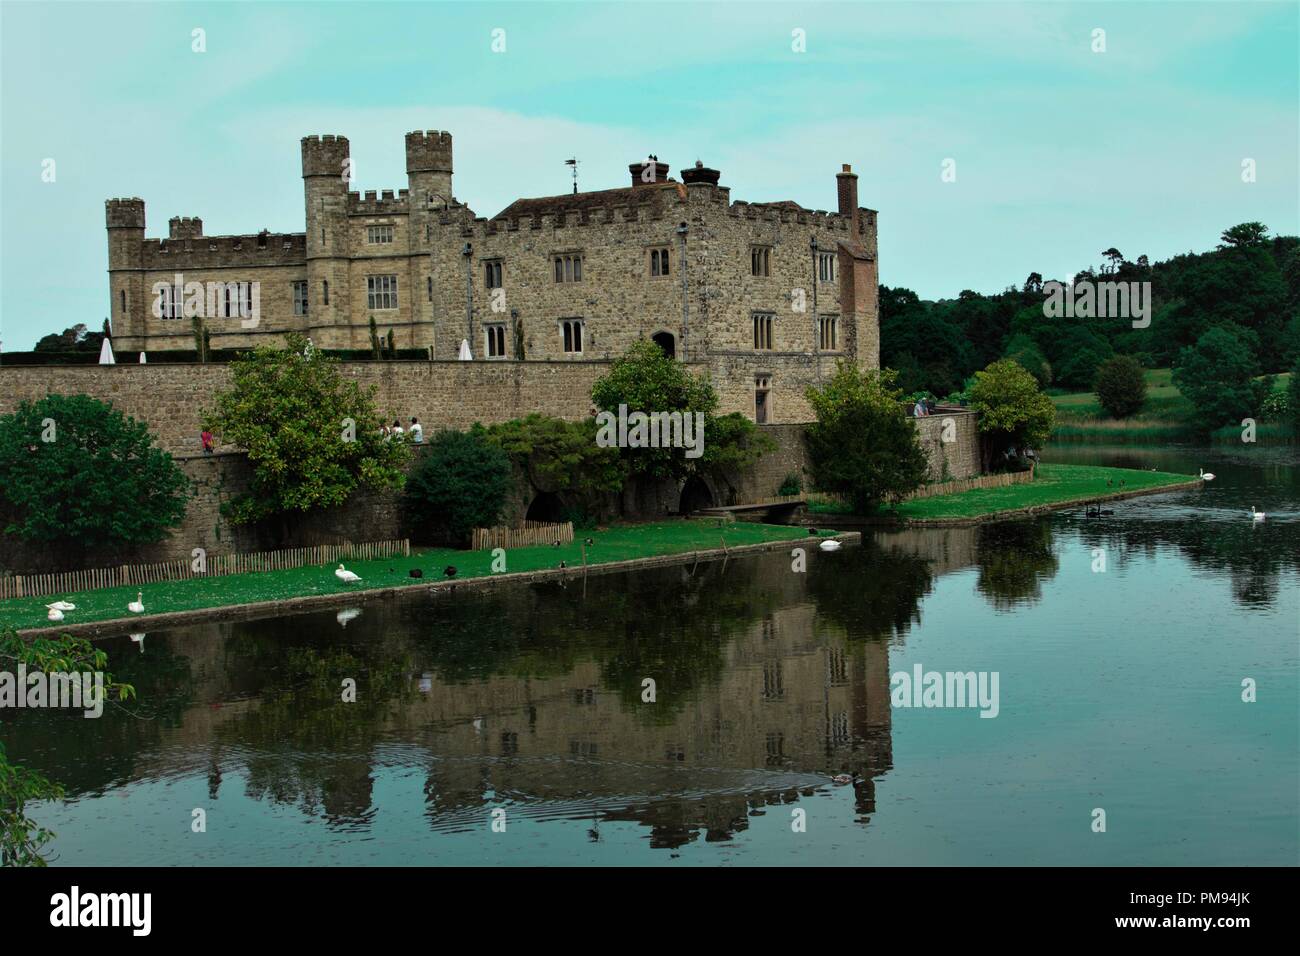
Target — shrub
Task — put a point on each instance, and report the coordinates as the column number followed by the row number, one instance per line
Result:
column 562, row 457
column 1120, row 386
column 1293, row 396
column 863, row 445
column 792, row 485
column 461, row 484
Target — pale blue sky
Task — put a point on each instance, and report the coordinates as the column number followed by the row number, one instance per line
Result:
column 1061, row 152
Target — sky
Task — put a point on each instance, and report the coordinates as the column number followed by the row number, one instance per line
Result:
column 1060, row 151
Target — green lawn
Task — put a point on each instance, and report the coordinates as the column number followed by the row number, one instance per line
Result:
column 1053, row 484
column 617, row 543
column 1167, row 415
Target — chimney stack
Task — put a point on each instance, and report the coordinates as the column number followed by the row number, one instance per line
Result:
column 642, row 178
column 846, row 181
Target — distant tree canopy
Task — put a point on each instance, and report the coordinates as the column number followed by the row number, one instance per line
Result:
column 312, row 435
column 1218, row 375
column 77, row 474
column 1250, row 284
column 76, row 339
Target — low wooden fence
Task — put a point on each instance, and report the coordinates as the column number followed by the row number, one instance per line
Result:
column 69, row 582
column 531, row 533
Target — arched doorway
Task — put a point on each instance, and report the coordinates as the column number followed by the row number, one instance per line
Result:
column 666, row 341
column 547, row 507
column 695, row 495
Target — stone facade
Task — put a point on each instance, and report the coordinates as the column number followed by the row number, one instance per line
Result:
column 567, row 278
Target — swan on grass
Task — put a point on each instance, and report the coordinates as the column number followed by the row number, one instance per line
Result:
column 137, row 606
column 62, row 606
column 54, row 614
column 343, row 574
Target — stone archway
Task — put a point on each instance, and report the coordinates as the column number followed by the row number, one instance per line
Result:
column 666, row 341
column 696, row 494
column 547, row 507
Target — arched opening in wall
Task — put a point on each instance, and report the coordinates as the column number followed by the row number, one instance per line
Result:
column 547, row 507
column 695, row 495
column 666, row 341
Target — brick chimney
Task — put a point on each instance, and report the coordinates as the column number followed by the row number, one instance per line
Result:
column 700, row 174
column 846, row 182
column 660, row 172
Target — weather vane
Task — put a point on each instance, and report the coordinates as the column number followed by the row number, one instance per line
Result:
column 573, row 163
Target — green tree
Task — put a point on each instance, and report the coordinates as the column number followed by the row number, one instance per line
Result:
column 646, row 380
column 1217, row 375
column 863, row 445
column 1024, row 351
column 21, row 838
column 1246, row 234
column 459, row 485
column 312, row 435
column 74, row 339
column 1121, row 386
column 562, row 457
column 77, row 474
column 1078, row 354
column 1014, row 412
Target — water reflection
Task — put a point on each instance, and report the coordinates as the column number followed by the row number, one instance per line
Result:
column 768, row 683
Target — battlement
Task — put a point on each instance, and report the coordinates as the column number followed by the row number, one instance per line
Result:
column 324, row 155
column 265, row 248
column 185, row 227
column 377, row 203
column 124, row 213
column 428, row 151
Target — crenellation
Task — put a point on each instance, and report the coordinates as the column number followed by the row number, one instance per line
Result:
column 582, row 276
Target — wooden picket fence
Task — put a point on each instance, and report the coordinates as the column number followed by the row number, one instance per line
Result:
column 531, row 533
column 70, row 582
column 969, row 484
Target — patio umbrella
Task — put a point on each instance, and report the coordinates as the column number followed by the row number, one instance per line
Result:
column 106, row 354
column 142, row 361
column 465, row 354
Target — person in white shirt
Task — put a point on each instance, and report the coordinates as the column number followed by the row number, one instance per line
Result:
column 417, row 432
column 397, row 429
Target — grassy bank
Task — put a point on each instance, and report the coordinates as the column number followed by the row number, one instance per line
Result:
column 1053, row 486
column 618, row 543
column 1167, row 417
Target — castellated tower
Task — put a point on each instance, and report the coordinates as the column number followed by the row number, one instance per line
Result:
column 428, row 168
column 326, row 169
column 127, row 306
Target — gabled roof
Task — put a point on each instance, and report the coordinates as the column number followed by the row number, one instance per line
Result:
column 597, row 199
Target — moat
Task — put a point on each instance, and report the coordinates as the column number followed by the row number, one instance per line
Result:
column 1118, row 690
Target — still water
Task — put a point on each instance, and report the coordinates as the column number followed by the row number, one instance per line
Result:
column 1119, row 690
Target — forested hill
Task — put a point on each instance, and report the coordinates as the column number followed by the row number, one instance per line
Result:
column 1249, row 285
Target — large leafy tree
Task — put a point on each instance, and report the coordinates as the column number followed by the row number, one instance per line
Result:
column 562, row 457
column 459, row 485
column 646, row 380
column 1218, row 375
column 312, row 435
column 21, row 837
column 75, row 339
column 863, row 445
column 1014, row 412
column 78, row 475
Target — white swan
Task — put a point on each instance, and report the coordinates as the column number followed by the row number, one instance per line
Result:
column 1206, row 475
column 62, row 606
column 343, row 574
column 1258, row 515
column 830, row 545
column 138, row 639
column 55, row 614
column 347, row 614
column 137, row 606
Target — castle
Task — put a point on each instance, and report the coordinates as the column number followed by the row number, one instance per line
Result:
column 766, row 297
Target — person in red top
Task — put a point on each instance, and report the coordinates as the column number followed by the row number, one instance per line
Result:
column 206, row 438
